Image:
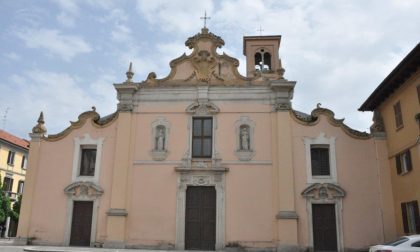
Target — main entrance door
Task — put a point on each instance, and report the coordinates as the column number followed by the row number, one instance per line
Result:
column 324, row 227
column 81, row 224
column 200, row 218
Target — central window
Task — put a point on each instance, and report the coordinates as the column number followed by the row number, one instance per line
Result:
column 88, row 160
column 320, row 160
column 202, row 137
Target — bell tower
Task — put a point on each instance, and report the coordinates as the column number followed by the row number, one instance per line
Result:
column 262, row 56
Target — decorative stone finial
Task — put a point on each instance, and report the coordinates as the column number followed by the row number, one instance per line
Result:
column 93, row 108
column 378, row 123
column 40, row 127
column 318, row 105
column 130, row 73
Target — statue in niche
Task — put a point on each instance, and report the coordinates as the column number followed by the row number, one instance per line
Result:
column 244, row 137
column 160, row 139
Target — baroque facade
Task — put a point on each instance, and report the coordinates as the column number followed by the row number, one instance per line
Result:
column 208, row 159
column 396, row 107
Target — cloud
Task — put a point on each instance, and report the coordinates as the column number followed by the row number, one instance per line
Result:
column 61, row 96
column 176, row 16
column 12, row 56
column 70, row 6
column 54, row 42
column 121, row 33
column 66, row 19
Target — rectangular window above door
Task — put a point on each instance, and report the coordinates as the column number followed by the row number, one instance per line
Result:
column 202, row 137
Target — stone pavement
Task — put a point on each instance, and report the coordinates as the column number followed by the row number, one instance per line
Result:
column 6, row 245
column 11, row 248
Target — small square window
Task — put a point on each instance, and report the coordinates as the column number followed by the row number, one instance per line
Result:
column 320, row 160
column 87, row 162
column 403, row 162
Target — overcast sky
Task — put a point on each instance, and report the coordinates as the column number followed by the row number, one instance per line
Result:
column 63, row 56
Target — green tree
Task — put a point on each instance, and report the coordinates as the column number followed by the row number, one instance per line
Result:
column 16, row 209
column 5, row 208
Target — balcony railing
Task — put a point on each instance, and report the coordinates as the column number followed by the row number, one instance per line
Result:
column 12, row 195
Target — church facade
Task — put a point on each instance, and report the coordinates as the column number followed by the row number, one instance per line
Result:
column 208, row 159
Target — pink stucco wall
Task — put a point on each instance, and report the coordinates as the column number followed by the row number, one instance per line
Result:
column 249, row 191
column 356, row 174
column 49, row 209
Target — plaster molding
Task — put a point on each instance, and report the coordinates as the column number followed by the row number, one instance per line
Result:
column 82, row 191
column 315, row 116
column 91, row 116
column 202, row 109
column 325, row 194
column 200, row 177
column 292, row 215
column 79, row 143
column 330, row 143
column 116, row 212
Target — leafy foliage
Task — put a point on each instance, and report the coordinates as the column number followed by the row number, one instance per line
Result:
column 5, row 209
column 14, row 214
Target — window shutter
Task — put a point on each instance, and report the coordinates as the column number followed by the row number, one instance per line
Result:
column 408, row 160
column 404, row 217
column 416, row 216
column 398, row 163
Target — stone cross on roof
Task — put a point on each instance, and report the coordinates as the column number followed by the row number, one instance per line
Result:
column 205, row 18
column 260, row 30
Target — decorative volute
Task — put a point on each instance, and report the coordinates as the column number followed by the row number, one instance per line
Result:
column 204, row 66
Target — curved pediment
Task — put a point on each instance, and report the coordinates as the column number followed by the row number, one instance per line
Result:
column 323, row 191
column 84, row 117
column 204, row 65
column 202, row 108
column 83, row 189
column 313, row 119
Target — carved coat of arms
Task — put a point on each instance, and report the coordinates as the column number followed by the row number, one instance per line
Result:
column 204, row 65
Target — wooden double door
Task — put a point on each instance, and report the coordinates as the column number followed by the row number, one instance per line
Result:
column 324, row 227
column 81, row 224
column 200, row 218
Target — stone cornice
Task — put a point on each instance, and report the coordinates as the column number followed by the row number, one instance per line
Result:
column 313, row 119
column 91, row 116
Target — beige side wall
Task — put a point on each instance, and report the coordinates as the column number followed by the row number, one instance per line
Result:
column 356, row 174
column 18, row 173
column 406, row 187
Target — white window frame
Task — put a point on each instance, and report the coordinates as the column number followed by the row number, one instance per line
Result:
column 321, row 140
column 25, row 162
column 403, row 162
column 86, row 142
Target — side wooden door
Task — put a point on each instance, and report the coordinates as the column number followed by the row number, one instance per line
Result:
column 324, row 227
column 81, row 224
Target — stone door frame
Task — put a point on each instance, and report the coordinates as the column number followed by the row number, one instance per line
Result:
column 200, row 177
